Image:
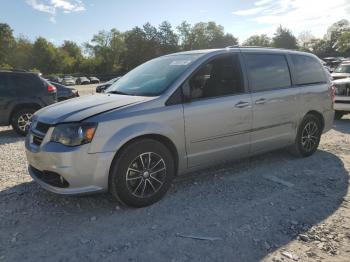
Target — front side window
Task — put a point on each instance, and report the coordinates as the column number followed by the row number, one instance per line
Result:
column 153, row 77
column 220, row 77
column 267, row 72
column 342, row 69
column 307, row 70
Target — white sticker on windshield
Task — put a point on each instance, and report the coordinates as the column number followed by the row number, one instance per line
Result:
column 180, row 62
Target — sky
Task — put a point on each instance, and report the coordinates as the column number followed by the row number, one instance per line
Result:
column 79, row 20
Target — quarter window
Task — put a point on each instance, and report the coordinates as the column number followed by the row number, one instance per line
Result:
column 307, row 70
column 267, row 72
column 220, row 77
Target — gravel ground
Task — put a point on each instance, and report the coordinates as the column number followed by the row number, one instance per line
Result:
column 272, row 207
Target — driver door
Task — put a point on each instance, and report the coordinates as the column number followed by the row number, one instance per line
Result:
column 218, row 118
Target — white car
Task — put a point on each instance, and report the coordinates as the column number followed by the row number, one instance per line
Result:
column 68, row 81
column 342, row 71
column 342, row 98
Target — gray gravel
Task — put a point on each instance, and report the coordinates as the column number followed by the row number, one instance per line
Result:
column 272, row 207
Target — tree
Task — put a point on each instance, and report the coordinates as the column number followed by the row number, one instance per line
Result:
column 203, row 36
column 185, row 35
column 283, row 38
column 168, row 40
column 320, row 47
column 107, row 48
column 343, row 44
column 336, row 30
column 22, row 55
column 305, row 40
column 258, row 40
column 45, row 56
column 7, row 43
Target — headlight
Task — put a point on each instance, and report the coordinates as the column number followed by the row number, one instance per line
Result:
column 74, row 134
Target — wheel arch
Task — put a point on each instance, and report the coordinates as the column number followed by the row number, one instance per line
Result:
column 21, row 106
column 167, row 142
column 318, row 115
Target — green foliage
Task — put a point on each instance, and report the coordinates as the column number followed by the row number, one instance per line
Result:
column 343, row 44
column 7, row 43
column 258, row 40
column 115, row 52
column 204, row 36
column 283, row 38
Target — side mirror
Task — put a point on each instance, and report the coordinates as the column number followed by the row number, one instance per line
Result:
column 186, row 91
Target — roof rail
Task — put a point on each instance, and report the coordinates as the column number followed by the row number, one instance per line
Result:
column 13, row 70
column 233, row 46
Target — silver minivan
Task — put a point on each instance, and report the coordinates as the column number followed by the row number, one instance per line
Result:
column 179, row 113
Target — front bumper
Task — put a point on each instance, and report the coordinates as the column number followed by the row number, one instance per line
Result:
column 81, row 171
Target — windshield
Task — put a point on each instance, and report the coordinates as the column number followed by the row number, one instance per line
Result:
column 154, row 77
column 342, row 69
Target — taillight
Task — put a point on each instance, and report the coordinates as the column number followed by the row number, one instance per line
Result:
column 51, row 88
column 333, row 91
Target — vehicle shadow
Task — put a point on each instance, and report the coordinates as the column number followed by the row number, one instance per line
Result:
column 8, row 136
column 342, row 125
column 242, row 204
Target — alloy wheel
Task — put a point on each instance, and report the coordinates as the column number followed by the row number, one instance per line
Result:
column 310, row 136
column 146, row 175
column 24, row 121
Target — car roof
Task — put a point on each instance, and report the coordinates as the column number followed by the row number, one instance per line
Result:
column 14, row 72
column 242, row 48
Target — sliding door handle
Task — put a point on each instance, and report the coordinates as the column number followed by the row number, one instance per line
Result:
column 242, row 104
column 260, row 101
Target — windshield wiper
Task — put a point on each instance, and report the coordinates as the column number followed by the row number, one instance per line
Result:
column 118, row 93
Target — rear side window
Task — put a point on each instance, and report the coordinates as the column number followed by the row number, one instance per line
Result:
column 26, row 84
column 308, row 70
column 267, row 72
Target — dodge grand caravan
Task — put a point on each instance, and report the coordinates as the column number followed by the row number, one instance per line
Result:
column 179, row 113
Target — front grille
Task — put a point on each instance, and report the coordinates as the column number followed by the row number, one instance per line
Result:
column 37, row 140
column 343, row 90
column 42, row 127
column 38, row 131
column 50, row 178
column 342, row 101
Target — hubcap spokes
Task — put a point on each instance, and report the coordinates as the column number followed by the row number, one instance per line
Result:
column 24, row 121
column 310, row 136
column 146, row 175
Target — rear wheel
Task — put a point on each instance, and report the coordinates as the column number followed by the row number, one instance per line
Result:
column 308, row 136
column 142, row 173
column 338, row 115
column 21, row 120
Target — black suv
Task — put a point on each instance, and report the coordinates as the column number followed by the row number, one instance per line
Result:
column 21, row 94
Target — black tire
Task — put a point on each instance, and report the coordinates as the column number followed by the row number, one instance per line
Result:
column 124, row 182
column 17, row 123
column 338, row 115
column 306, row 144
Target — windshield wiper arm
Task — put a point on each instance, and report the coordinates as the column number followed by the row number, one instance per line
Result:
column 118, row 93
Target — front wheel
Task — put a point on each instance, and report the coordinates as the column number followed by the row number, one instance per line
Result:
column 308, row 136
column 21, row 120
column 142, row 173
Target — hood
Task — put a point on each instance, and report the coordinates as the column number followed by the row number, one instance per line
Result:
column 78, row 109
